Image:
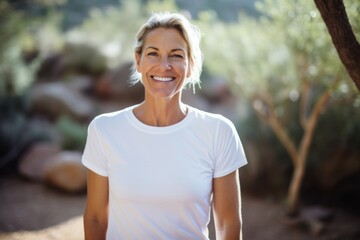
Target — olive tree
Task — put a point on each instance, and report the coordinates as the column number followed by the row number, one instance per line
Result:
column 334, row 13
column 284, row 55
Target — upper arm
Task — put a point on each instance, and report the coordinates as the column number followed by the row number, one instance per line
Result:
column 227, row 204
column 97, row 197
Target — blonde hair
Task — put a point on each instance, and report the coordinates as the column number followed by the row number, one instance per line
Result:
column 188, row 31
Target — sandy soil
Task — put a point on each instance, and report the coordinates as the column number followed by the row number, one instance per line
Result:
column 30, row 211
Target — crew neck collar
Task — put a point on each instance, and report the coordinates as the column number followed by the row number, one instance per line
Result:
column 155, row 129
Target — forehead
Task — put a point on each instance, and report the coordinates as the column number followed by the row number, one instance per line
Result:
column 165, row 38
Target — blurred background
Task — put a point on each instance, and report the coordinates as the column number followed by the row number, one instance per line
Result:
column 270, row 67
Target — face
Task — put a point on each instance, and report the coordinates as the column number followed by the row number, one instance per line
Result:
column 163, row 63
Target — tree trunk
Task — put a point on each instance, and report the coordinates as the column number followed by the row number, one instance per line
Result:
column 278, row 129
column 335, row 17
column 302, row 154
column 298, row 155
column 294, row 190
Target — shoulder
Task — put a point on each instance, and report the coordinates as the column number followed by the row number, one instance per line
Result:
column 211, row 118
column 107, row 119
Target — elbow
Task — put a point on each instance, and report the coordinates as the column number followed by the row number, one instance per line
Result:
column 95, row 221
column 95, row 227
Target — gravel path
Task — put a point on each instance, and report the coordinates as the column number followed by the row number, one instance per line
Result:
column 32, row 211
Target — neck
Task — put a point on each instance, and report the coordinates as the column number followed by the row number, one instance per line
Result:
column 161, row 113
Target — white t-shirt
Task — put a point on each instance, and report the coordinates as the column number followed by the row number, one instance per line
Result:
column 160, row 178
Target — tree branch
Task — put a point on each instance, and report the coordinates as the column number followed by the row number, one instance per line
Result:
column 279, row 130
column 304, row 102
column 335, row 17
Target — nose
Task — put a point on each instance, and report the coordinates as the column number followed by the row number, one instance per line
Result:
column 165, row 64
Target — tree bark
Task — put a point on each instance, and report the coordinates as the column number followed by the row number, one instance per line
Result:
column 335, row 17
column 302, row 154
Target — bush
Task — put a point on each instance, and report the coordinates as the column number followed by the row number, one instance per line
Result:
column 72, row 133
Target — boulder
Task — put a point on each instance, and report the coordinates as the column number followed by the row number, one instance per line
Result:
column 51, row 68
column 35, row 160
column 57, row 99
column 66, row 172
column 115, row 85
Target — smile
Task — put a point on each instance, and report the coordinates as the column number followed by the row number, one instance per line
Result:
column 163, row 79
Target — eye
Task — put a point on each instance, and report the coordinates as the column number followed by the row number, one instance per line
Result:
column 152, row 54
column 178, row 56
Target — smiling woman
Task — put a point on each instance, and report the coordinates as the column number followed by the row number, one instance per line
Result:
column 189, row 33
column 163, row 60
column 155, row 169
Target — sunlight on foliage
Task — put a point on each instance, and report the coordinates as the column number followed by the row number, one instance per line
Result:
column 73, row 134
column 274, row 54
column 113, row 30
column 48, row 36
column 15, row 75
column 353, row 11
column 161, row 6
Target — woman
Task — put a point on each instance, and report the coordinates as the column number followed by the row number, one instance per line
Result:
column 156, row 168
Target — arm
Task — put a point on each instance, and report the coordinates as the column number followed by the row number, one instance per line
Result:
column 227, row 207
column 96, row 210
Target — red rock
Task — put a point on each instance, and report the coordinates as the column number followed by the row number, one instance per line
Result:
column 66, row 172
column 115, row 85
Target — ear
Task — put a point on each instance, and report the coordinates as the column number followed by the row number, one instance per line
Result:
column 137, row 59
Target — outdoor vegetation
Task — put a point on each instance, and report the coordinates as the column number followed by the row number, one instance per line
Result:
column 297, row 109
column 280, row 62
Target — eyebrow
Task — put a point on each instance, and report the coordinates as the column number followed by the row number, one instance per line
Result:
column 172, row 50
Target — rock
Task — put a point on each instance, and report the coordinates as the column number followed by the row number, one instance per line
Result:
column 317, row 212
column 56, row 99
column 80, row 84
column 66, row 172
column 311, row 219
column 35, row 160
column 76, row 58
column 51, row 68
column 315, row 218
column 115, row 85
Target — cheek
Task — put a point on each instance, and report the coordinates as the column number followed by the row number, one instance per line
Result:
column 147, row 63
column 182, row 67
column 142, row 66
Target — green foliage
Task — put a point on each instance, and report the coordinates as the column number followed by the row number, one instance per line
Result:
column 112, row 30
column 342, row 118
column 161, row 6
column 14, row 75
column 243, row 53
column 73, row 134
column 273, row 55
column 269, row 60
column 83, row 59
column 24, row 40
column 46, row 34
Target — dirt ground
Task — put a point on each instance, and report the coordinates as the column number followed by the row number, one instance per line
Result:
column 30, row 211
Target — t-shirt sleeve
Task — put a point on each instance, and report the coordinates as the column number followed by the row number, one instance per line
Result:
column 93, row 156
column 229, row 152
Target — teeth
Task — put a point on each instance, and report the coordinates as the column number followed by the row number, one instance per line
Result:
column 163, row 79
